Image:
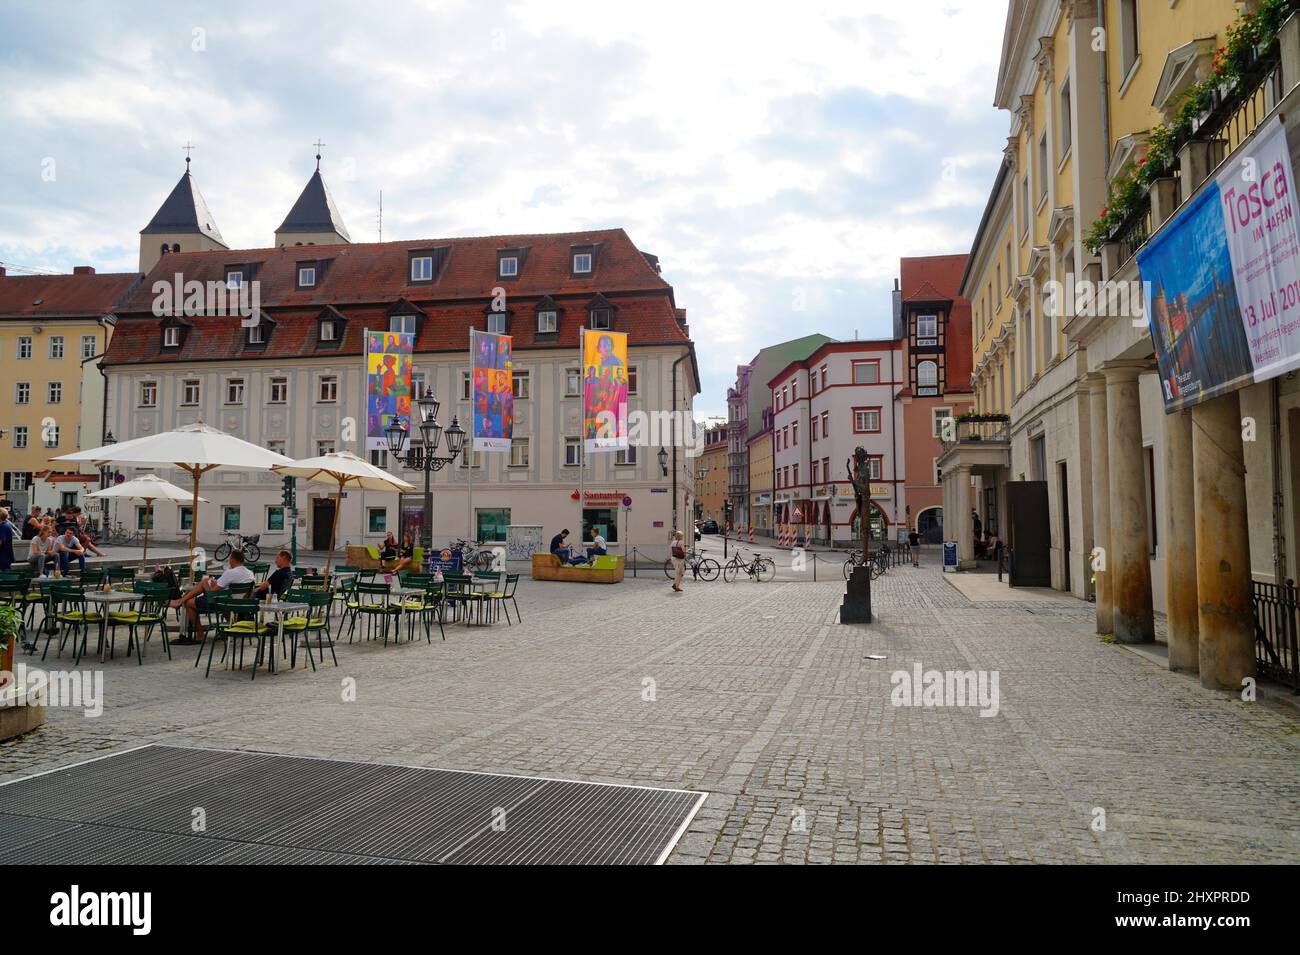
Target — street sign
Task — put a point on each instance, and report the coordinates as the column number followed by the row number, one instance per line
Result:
column 627, row 501
column 949, row 557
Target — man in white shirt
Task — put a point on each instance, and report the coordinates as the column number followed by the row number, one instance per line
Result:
column 196, row 599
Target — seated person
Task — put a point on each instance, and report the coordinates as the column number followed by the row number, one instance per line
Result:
column 67, row 548
column 405, row 553
column 196, row 600
column 597, row 548
column 388, row 552
column 280, row 580
column 41, row 553
column 560, row 547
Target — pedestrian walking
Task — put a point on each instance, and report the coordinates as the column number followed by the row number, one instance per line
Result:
column 914, row 542
column 8, row 532
column 678, row 550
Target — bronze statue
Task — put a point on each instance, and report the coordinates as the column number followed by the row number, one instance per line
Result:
column 861, row 481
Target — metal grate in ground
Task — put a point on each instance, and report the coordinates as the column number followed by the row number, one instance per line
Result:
column 141, row 807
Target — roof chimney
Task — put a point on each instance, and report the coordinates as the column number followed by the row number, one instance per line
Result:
column 83, row 270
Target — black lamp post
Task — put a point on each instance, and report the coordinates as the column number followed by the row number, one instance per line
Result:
column 106, row 480
column 663, row 461
column 423, row 452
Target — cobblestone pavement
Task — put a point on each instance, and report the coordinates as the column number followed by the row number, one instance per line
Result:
column 763, row 699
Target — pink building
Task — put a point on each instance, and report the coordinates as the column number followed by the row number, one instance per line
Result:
column 839, row 398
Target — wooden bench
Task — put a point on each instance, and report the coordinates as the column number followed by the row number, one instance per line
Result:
column 606, row 570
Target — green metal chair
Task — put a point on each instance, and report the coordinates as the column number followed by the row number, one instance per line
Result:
column 140, row 621
column 92, row 579
column 120, row 575
column 221, row 610
column 505, row 590
column 433, row 607
column 68, row 608
column 317, row 621
column 460, row 593
column 373, row 602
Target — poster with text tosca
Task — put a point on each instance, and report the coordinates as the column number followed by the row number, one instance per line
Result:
column 604, row 390
column 388, row 384
column 494, row 402
column 1221, row 281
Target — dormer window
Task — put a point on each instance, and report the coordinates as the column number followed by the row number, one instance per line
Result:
column 422, row 268
column 927, row 326
column 547, row 321
column 582, row 263
column 402, row 323
column 599, row 319
column 328, row 331
column 508, row 266
column 425, row 265
column 257, row 334
column 172, row 336
column 496, row 322
column 234, row 278
column 306, row 276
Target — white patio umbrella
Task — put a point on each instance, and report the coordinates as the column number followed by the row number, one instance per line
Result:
column 194, row 448
column 148, row 488
column 342, row 469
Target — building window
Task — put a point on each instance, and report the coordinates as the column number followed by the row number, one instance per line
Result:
column 422, row 268
column 276, row 446
column 626, row 456
column 866, row 372
column 234, row 278
column 401, row 323
column 1065, row 118
column 257, row 334
column 546, row 321
column 230, row 517
column 927, row 374
column 279, row 393
column 875, row 467
column 16, row 481
column 491, row 523
column 572, row 382
column 1042, row 166
column 582, row 263
column 24, row 347
column 274, row 517
column 602, row 521
column 307, row 276
column 379, row 457
column 327, row 331
column 941, row 423
column 324, row 447
column 148, row 394
column 631, row 379
column 1128, row 36
column 474, row 460
column 496, row 323
column 464, row 386
column 519, row 384
column 794, row 434
column 1024, row 207
column 812, row 382
column 866, row 420
column 826, row 419
column 190, row 391
column 816, row 472
column 185, row 516
column 794, row 389
column 56, row 346
column 599, row 319
column 519, row 452
column 927, row 326
column 171, row 337
column 329, row 389
column 53, row 392
column 572, row 452
column 235, row 391
column 377, row 520
column 508, row 266
column 87, row 346
column 23, row 393
column 20, row 436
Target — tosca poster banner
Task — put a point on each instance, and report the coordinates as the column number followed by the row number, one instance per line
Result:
column 604, row 390
column 494, row 402
column 1221, row 282
column 388, row 383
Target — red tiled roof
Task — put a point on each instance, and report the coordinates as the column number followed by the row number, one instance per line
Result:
column 62, row 296
column 365, row 281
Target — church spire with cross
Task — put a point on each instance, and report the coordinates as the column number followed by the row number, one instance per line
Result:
column 314, row 219
column 183, row 223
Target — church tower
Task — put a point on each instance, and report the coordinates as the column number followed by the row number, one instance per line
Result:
column 182, row 223
column 314, row 219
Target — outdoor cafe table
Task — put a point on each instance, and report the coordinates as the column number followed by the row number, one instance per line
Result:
column 281, row 609
column 105, row 600
column 402, row 593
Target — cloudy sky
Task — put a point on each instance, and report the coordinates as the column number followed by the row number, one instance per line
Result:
column 778, row 158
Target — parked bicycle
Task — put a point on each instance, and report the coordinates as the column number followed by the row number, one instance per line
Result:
column 757, row 567
column 700, row 567
column 252, row 553
column 121, row 534
column 474, row 555
column 877, row 562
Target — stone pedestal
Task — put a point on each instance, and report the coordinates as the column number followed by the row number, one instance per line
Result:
column 1226, row 619
column 1128, row 560
column 1180, row 544
column 1100, row 501
column 856, row 607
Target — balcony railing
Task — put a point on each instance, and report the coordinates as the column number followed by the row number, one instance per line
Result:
column 976, row 429
column 1134, row 231
column 1277, row 620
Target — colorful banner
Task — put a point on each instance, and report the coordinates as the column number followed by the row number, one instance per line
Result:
column 604, row 390
column 1221, row 281
column 388, row 383
column 494, row 401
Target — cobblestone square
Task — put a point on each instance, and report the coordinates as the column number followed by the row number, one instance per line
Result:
column 756, row 694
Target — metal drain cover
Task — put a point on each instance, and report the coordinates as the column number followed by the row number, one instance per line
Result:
column 179, row 805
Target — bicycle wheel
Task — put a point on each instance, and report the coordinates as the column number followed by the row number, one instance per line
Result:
column 876, row 568
column 849, row 564
column 222, row 552
column 669, row 571
column 731, row 569
column 252, row 552
column 764, row 569
column 710, row 568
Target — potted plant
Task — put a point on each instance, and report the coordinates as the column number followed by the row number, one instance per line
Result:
column 11, row 630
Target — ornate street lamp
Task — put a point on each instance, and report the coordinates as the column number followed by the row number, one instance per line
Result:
column 106, row 472
column 422, row 455
column 663, row 461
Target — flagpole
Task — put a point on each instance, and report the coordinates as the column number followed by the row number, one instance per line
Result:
column 582, row 431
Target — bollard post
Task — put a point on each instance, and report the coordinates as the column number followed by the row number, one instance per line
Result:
column 633, row 562
column 814, row 567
